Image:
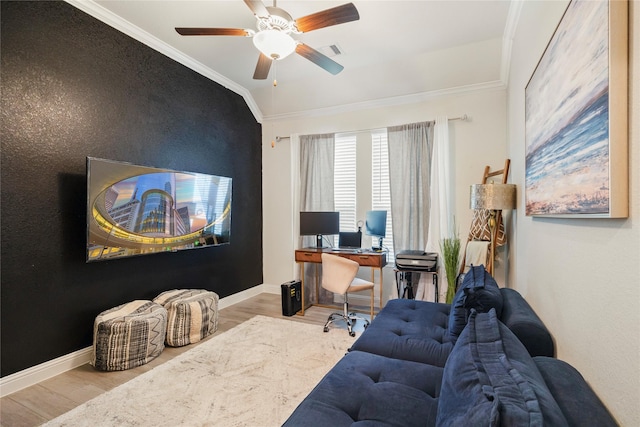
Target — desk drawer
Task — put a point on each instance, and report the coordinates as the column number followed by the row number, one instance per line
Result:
column 377, row 260
column 366, row 260
column 302, row 256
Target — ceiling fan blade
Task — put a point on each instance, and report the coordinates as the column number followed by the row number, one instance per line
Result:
column 257, row 7
column 263, row 67
column 318, row 58
column 326, row 18
column 212, row 32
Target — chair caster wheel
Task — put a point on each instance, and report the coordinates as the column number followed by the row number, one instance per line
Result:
column 353, row 334
column 366, row 326
column 326, row 329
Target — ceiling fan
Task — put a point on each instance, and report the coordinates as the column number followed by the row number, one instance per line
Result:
column 273, row 37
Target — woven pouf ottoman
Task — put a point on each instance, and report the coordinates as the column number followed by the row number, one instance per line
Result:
column 192, row 314
column 129, row 335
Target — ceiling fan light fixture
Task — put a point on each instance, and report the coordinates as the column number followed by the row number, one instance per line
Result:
column 274, row 43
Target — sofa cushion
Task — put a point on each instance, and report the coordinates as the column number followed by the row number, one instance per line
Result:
column 578, row 402
column 409, row 330
column 368, row 389
column 393, row 404
column 492, row 377
column 479, row 291
column 519, row 317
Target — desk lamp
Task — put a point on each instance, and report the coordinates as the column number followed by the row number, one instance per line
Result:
column 493, row 197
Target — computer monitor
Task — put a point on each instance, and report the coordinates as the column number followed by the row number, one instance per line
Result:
column 319, row 224
column 376, row 225
column 350, row 239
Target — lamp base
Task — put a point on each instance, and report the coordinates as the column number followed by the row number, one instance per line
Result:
column 492, row 244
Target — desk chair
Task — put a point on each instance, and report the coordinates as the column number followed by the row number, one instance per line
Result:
column 339, row 276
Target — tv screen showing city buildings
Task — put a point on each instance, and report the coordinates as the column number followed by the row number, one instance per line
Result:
column 138, row 210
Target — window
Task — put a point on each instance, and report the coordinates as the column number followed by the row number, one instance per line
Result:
column 344, row 185
column 380, row 192
column 347, row 190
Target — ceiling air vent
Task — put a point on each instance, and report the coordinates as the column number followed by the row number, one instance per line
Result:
column 331, row 50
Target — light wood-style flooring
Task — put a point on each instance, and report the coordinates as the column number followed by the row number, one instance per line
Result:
column 45, row 401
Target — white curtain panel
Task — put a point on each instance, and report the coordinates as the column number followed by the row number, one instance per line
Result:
column 316, row 167
column 441, row 221
column 410, row 158
column 410, row 151
column 295, row 198
column 316, row 194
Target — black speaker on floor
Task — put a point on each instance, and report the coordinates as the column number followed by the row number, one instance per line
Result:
column 291, row 297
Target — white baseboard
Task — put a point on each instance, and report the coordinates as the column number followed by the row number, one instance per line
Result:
column 246, row 294
column 44, row 371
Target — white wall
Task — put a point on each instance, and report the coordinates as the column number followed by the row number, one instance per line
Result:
column 581, row 276
column 475, row 143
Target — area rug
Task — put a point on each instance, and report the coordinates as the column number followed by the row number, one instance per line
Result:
column 254, row 374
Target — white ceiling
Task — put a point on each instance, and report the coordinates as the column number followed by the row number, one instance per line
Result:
column 398, row 50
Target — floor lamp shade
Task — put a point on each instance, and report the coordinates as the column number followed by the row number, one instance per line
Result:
column 495, row 197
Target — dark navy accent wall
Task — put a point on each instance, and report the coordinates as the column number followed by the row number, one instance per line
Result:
column 74, row 87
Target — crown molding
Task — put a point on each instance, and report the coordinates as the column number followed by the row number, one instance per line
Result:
column 513, row 17
column 102, row 14
column 97, row 11
column 389, row 102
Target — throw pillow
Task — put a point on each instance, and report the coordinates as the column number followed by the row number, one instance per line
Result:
column 478, row 291
column 490, row 379
column 466, row 396
column 480, row 229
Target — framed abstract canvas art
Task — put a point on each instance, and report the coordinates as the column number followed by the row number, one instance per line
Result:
column 576, row 116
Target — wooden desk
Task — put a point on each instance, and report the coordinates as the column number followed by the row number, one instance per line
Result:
column 366, row 258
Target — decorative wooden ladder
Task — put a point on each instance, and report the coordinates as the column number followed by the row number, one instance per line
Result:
column 488, row 174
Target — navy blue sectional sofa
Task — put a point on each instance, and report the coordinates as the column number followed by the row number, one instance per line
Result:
column 485, row 360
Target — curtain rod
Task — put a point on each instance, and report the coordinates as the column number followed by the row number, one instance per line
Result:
column 462, row 118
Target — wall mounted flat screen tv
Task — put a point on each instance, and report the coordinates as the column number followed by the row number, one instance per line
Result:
column 138, row 210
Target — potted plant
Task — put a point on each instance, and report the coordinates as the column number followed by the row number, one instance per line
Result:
column 450, row 248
